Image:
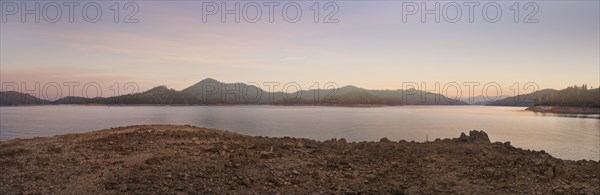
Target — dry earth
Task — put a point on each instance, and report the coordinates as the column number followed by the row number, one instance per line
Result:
column 162, row 159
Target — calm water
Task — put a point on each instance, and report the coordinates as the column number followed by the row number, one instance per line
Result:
column 563, row 137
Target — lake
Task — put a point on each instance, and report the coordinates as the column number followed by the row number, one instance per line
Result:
column 563, row 137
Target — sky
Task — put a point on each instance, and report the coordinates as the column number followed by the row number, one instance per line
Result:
column 178, row 43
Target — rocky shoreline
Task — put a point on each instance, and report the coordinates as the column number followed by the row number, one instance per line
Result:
column 165, row 159
column 564, row 110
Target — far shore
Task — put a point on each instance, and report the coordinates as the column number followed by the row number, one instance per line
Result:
column 564, row 110
column 325, row 105
column 116, row 105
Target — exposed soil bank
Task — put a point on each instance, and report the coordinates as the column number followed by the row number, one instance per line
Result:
column 189, row 160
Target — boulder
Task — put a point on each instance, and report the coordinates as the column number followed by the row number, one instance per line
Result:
column 560, row 171
column 475, row 137
column 549, row 173
column 478, row 137
column 463, row 137
column 385, row 140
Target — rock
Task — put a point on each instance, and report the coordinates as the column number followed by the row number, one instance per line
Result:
column 538, row 161
column 275, row 180
column 211, row 149
column 351, row 175
column 218, row 148
column 475, row 137
column 559, row 171
column 549, row 173
column 463, row 137
column 54, row 149
column 317, row 175
column 153, row 161
column 123, row 187
column 478, row 137
column 489, row 171
column 385, row 140
column 300, row 144
column 267, row 155
column 117, row 162
column 310, row 144
column 247, row 182
column 558, row 191
column 550, row 162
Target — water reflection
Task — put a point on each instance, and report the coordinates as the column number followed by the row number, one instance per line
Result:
column 562, row 135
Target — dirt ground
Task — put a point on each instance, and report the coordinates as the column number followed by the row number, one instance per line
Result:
column 165, row 159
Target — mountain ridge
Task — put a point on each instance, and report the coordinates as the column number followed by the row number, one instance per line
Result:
column 574, row 96
column 212, row 91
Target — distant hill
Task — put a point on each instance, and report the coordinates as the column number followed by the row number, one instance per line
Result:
column 482, row 100
column 156, row 95
column 524, row 100
column 573, row 97
column 416, row 97
column 211, row 91
column 79, row 100
column 13, row 98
